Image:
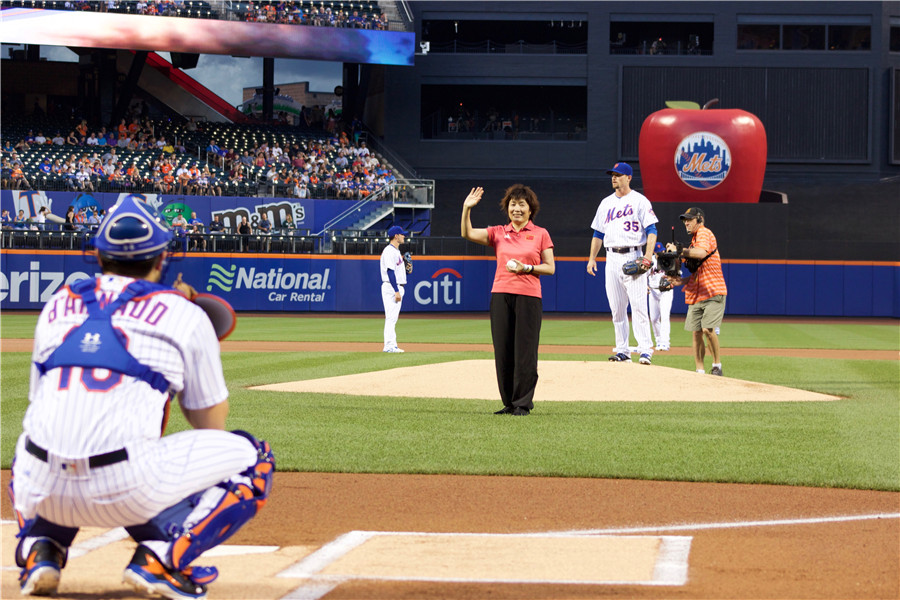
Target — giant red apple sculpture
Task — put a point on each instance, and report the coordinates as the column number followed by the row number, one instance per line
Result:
column 702, row 155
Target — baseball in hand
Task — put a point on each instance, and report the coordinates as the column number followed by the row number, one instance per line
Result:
column 511, row 264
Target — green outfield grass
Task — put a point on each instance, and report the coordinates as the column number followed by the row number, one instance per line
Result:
column 852, row 443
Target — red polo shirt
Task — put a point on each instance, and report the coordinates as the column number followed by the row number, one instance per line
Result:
column 526, row 246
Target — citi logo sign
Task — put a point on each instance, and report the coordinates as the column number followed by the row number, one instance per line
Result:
column 443, row 288
column 702, row 160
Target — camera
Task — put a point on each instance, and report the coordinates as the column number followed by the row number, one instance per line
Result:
column 669, row 262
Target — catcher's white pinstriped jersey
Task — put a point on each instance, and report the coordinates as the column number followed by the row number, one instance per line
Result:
column 76, row 413
column 165, row 331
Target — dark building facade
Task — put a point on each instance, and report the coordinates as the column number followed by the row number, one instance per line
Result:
column 557, row 91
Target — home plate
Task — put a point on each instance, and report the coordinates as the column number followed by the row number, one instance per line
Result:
column 574, row 381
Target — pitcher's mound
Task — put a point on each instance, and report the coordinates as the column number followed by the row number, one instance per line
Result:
column 573, row 381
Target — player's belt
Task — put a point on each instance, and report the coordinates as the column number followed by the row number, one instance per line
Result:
column 96, row 461
column 623, row 250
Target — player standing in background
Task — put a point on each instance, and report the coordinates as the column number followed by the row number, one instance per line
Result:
column 524, row 252
column 393, row 278
column 109, row 355
column 624, row 222
column 660, row 300
column 704, row 290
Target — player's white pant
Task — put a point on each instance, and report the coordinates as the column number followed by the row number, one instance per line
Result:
column 156, row 475
column 660, row 311
column 391, row 313
column 622, row 290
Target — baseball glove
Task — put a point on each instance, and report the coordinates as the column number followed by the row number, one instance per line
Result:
column 638, row 266
column 217, row 309
column 407, row 262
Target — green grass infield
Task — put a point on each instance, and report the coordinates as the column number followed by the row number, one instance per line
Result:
column 851, row 443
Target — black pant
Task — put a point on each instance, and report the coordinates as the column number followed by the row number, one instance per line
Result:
column 516, row 332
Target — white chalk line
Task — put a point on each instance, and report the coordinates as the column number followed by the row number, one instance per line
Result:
column 733, row 525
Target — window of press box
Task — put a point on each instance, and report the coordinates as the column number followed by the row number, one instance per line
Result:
column 563, row 35
column 504, row 112
column 660, row 38
column 895, row 38
column 804, row 37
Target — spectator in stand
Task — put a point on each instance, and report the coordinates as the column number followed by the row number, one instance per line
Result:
column 72, row 139
column 82, row 128
column 45, row 167
column 183, row 175
column 92, row 140
column 83, row 177
column 244, row 227
column 301, row 190
column 18, row 179
column 179, row 228
column 7, row 147
column 214, row 183
column 94, row 218
column 5, row 220
column 156, row 180
column 216, row 226
column 58, row 140
column 246, row 159
column 213, row 151
column 21, row 221
column 40, row 139
column 22, row 146
column 169, row 182
column 195, row 228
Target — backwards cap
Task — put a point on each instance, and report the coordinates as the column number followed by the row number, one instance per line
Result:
column 132, row 231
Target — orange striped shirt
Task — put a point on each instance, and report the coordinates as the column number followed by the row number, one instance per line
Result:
column 708, row 281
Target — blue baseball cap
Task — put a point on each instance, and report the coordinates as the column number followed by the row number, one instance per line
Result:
column 658, row 247
column 621, row 168
column 395, row 230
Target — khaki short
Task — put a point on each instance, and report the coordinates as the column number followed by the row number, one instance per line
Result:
column 707, row 314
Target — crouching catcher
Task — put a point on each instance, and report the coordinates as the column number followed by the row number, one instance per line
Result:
column 110, row 354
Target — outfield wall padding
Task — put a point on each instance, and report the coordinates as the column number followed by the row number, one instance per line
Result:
column 317, row 283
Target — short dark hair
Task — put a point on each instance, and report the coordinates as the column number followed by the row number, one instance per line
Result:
column 137, row 269
column 521, row 191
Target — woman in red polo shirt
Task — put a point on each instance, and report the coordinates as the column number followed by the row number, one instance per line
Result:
column 523, row 252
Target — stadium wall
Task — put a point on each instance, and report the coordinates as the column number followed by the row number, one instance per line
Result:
column 311, row 283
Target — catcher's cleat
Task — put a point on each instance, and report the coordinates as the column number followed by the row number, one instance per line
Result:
column 645, row 359
column 716, row 371
column 41, row 568
column 620, row 357
column 147, row 574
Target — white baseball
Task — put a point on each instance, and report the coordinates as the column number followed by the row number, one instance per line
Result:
column 511, row 265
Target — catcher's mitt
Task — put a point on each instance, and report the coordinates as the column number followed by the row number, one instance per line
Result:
column 407, row 262
column 638, row 266
column 217, row 309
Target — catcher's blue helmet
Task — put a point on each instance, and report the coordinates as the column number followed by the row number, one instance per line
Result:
column 132, row 231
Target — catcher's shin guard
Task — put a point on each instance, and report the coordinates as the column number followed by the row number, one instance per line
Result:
column 242, row 498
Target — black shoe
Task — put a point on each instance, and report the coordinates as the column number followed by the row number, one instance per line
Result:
column 504, row 411
column 146, row 573
column 520, row 412
column 41, row 568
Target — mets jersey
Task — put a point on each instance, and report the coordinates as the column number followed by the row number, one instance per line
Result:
column 392, row 260
column 623, row 221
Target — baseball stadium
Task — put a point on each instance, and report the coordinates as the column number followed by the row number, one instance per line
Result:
column 428, row 405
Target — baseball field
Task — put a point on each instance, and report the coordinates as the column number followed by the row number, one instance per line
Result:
column 781, row 479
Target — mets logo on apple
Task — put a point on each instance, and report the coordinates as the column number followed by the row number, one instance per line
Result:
column 702, row 160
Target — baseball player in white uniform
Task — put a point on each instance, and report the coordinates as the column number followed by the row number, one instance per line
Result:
column 109, row 355
column 624, row 222
column 393, row 278
column 660, row 301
